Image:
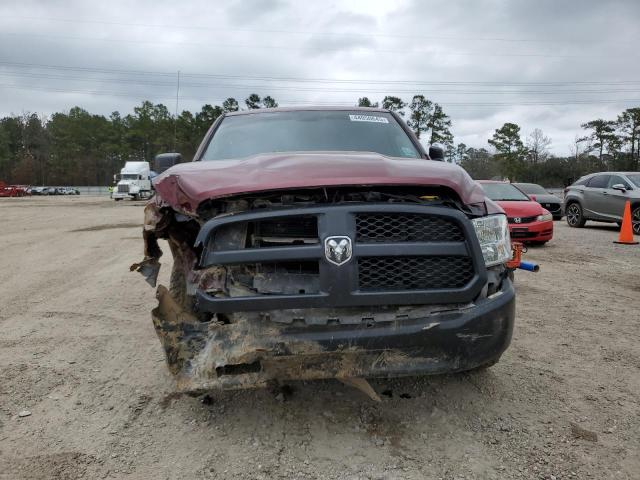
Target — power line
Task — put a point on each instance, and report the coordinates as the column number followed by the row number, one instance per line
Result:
column 129, row 81
column 306, row 102
column 276, row 78
column 218, row 29
column 361, row 90
column 311, row 48
column 86, row 69
column 146, row 95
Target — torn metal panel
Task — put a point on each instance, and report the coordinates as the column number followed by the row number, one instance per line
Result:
column 149, row 268
column 180, row 332
column 155, row 224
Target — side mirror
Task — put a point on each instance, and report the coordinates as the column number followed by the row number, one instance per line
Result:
column 165, row 161
column 620, row 187
column 436, row 152
column 533, row 197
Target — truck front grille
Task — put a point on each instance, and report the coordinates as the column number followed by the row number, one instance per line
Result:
column 123, row 188
column 283, row 231
column 400, row 255
column 414, row 273
column 393, row 227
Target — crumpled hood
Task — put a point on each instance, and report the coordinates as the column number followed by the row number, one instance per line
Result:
column 521, row 209
column 186, row 185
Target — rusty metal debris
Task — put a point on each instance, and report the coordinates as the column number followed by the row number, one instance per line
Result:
column 149, row 268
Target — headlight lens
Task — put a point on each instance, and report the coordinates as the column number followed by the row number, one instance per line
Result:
column 495, row 242
column 545, row 217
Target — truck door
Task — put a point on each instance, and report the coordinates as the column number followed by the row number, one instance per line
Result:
column 593, row 195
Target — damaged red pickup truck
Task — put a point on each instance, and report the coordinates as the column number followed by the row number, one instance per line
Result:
column 324, row 243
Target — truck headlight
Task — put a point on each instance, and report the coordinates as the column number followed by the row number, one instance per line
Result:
column 545, row 217
column 495, row 242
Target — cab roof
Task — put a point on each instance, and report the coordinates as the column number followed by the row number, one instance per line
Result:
column 308, row 109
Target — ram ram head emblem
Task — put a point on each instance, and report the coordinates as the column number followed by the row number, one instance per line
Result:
column 338, row 250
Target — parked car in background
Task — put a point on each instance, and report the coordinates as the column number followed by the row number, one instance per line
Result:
column 547, row 199
column 528, row 220
column 13, row 190
column 68, row 191
column 601, row 197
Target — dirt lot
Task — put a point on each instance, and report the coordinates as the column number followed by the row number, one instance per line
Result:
column 77, row 350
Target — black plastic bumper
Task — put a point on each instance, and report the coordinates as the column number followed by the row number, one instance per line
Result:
column 254, row 352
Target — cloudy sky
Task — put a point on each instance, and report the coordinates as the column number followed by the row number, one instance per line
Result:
column 545, row 64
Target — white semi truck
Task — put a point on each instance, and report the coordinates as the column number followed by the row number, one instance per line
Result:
column 134, row 181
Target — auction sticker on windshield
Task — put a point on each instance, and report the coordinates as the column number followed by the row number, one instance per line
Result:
column 367, row 118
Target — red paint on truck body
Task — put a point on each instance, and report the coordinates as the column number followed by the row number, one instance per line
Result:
column 186, row 185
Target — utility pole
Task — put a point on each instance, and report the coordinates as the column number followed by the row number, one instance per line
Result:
column 175, row 118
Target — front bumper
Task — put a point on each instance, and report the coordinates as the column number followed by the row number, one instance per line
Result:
column 554, row 209
column 532, row 232
column 254, row 351
column 121, row 195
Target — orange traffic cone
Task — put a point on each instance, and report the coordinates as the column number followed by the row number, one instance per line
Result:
column 626, row 232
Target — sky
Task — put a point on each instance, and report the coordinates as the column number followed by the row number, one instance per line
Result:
column 544, row 64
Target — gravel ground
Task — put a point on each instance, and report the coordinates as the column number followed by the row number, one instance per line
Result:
column 78, row 352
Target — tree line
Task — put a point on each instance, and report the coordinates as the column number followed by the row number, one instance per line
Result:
column 607, row 145
column 80, row 148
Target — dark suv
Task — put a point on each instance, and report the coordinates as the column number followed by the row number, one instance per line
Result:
column 601, row 197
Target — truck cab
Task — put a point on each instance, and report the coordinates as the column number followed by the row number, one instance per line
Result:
column 134, row 181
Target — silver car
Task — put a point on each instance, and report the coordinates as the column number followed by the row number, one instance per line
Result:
column 601, row 197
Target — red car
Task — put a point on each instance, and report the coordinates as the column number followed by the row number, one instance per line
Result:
column 528, row 221
column 12, row 190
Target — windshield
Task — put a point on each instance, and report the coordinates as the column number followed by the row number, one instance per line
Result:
column 635, row 179
column 129, row 176
column 503, row 191
column 303, row 131
column 531, row 188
